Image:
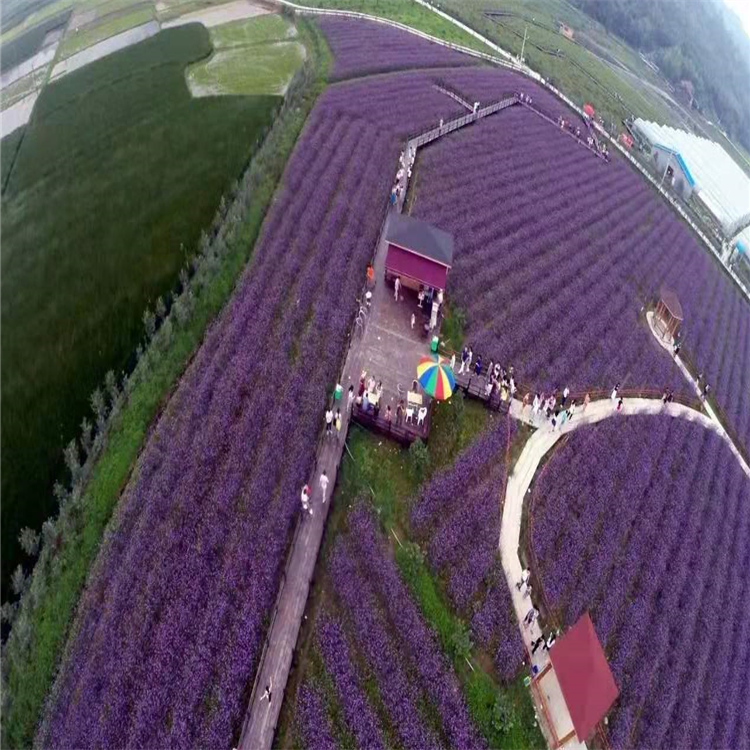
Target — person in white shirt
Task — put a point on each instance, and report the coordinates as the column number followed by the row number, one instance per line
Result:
column 323, row 485
column 329, row 422
column 453, row 361
column 396, row 288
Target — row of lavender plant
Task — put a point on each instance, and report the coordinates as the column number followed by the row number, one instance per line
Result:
column 554, row 280
column 367, row 47
column 458, row 517
column 646, row 524
column 172, row 621
column 419, row 691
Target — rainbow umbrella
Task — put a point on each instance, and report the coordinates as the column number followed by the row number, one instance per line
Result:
column 436, row 377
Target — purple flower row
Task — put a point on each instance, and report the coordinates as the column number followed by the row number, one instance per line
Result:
column 360, row 717
column 645, row 523
column 367, row 47
column 311, row 720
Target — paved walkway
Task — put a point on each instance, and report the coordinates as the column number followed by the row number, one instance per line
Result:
column 538, row 445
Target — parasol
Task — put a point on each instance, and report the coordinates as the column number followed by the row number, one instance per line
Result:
column 436, row 377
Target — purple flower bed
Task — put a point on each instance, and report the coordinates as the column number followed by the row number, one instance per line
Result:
column 360, row 717
column 458, row 516
column 556, row 253
column 311, row 720
column 366, row 47
column 171, row 625
column 434, row 669
column 645, row 523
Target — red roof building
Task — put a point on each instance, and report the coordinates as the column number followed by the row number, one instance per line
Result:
column 418, row 253
column 585, row 678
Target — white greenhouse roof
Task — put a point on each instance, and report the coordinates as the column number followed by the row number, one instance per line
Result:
column 719, row 181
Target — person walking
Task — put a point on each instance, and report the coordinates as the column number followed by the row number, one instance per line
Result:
column 619, row 406
column 306, row 500
column 396, row 288
column 350, row 399
column 537, row 644
column 329, row 422
column 453, row 362
column 531, row 615
column 388, row 415
column 566, row 393
column 525, row 402
column 464, row 360
column 551, row 638
column 469, row 357
column 572, row 410
column 268, row 692
column 554, row 419
column 613, row 395
column 586, row 402
column 535, row 406
column 563, row 418
column 338, row 423
column 413, row 320
column 525, row 575
column 323, row 481
column 527, row 591
column 399, row 412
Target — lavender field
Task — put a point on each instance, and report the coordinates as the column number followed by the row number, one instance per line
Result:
column 457, row 517
column 376, row 632
column 557, row 252
column 645, row 523
column 363, row 48
column 170, row 627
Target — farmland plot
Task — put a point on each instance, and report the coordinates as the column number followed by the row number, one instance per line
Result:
column 645, row 523
column 556, row 254
column 171, row 624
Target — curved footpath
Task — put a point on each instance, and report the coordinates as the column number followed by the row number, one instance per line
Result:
column 519, row 481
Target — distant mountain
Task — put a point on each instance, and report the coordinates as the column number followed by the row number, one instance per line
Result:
column 701, row 42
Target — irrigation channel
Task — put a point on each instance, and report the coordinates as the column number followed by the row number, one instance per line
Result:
column 271, row 676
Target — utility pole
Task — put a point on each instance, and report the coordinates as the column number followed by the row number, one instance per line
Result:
column 523, row 46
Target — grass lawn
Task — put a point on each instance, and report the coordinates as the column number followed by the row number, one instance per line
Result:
column 89, row 35
column 380, row 470
column 118, row 172
column 25, row 16
column 252, row 56
column 409, row 13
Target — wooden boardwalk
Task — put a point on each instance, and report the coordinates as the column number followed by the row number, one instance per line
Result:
column 389, row 349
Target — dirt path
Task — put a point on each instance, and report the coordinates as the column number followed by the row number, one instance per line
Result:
column 105, row 47
column 218, row 15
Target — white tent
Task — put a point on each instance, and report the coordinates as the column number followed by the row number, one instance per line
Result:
column 719, row 181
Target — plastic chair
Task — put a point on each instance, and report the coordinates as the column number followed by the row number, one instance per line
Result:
column 421, row 414
column 410, row 415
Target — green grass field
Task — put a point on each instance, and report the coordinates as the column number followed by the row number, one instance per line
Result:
column 96, row 32
column 253, row 56
column 22, row 87
column 118, row 172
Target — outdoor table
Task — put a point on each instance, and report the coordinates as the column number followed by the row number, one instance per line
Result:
column 373, row 397
column 413, row 399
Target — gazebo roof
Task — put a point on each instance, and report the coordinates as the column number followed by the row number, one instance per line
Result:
column 669, row 298
column 585, row 678
column 421, row 238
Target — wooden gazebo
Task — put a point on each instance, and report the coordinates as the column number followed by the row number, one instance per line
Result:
column 668, row 314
